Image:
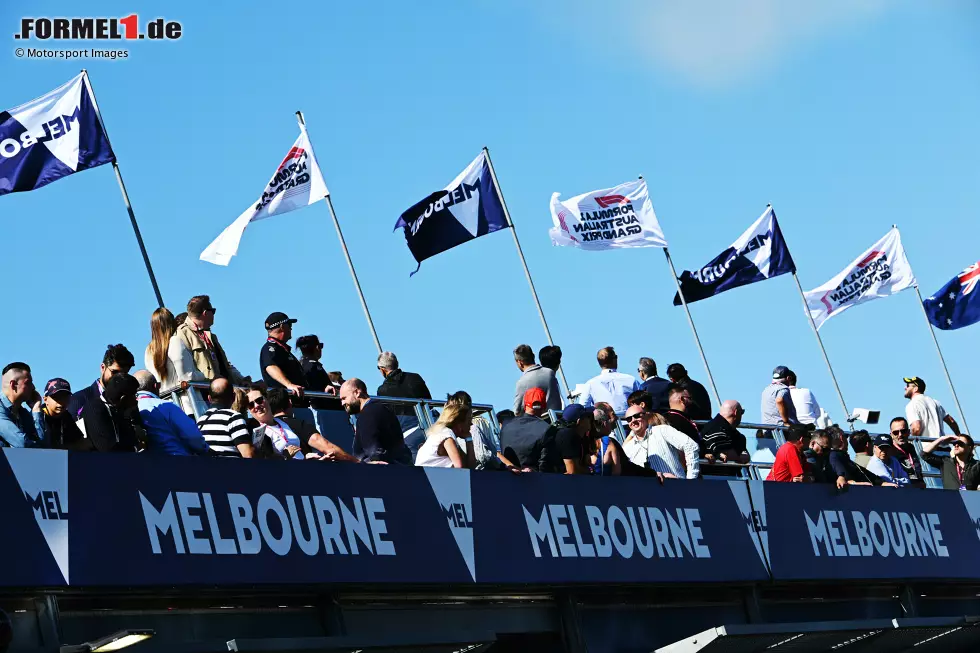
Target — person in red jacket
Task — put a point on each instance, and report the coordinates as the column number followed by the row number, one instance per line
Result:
column 790, row 465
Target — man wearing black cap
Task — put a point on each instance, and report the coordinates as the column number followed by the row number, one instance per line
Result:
column 60, row 430
column 316, row 376
column 926, row 415
column 701, row 406
column 885, row 465
column 280, row 369
column 777, row 403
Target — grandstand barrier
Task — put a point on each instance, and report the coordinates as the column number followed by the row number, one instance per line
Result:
column 85, row 519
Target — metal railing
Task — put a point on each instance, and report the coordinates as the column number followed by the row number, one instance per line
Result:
column 759, row 437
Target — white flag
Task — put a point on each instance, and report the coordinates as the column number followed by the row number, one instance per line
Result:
column 881, row 271
column 607, row 219
column 296, row 183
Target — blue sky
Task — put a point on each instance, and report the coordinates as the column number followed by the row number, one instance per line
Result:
column 847, row 116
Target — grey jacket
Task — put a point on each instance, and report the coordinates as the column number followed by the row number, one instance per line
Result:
column 538, row 377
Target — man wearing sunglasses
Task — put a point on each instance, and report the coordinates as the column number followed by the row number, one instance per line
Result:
column 960, row 470
column 209, row 356
column 316, row 377
column 905, row 451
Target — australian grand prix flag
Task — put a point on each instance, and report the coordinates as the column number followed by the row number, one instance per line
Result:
column 467, row 208
column 296, row 183
column 880, row 271
column 51, row 137
column 758, row 254
column 607, row 219
column 957, row 304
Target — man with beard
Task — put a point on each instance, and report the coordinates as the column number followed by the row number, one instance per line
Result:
column 378, row 435
column 116, row 360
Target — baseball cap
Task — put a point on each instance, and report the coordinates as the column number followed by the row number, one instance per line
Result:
column 781, row 372
column 882, row 441
column 917, row 381
column 574, row 412
column 56, row 385
column 534, row 397
column 277, row 319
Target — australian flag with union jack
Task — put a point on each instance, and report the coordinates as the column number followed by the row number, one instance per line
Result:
column 957, row 304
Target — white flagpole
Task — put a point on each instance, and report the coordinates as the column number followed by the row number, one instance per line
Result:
column 122, row 187
column 939, row 350
column 343, row 246
column 527, row 272
column 942, row 360
column 690, row 320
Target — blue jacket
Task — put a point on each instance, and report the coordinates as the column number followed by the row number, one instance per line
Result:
column 18, row 426
column 168, row 430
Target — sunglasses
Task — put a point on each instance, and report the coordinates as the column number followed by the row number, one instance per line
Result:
column 257, row 402
column 634, row 418
column 961, row 444
column 901, row 432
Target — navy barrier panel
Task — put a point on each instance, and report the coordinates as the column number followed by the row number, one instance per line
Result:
column 817, row 533
column 34, row 516
column 536, row 528
column 148, row 520
column 171, row 520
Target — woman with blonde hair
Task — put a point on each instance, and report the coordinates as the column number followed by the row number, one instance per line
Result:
column 440, row 448
column 167, row 358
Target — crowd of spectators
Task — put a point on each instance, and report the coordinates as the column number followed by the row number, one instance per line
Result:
column 671, row 430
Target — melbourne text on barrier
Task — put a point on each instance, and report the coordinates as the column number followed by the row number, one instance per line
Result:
column 639, row 530
column 230, row 524
column 855, row 533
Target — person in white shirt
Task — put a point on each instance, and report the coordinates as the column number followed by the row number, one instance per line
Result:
column 925, row 415
column 655, row 444
column 807, row 407
column 610, row 386
column 440, row 448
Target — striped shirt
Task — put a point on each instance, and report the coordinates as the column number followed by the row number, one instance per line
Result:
column 223, row 429
column 662, row 450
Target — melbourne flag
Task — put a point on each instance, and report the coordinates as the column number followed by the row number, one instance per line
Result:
column 296, row 183
column 51, row 137
column 881, row 271
column 607, row 219
column 957, row 304
column 758, row 254
column 467, row 208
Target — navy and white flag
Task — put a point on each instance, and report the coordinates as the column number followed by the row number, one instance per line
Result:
column 957, row 304
column 51, row 137
column 467, row 208
column 758, row 254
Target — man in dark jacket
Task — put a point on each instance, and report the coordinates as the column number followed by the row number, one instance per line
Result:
column 657, row 387
column 410, row 386
column 378, row 436
column 116, row 360
column 701, row 402
column 112, row 422
column 960, row 470
column 528, row 441
column 720, row 438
